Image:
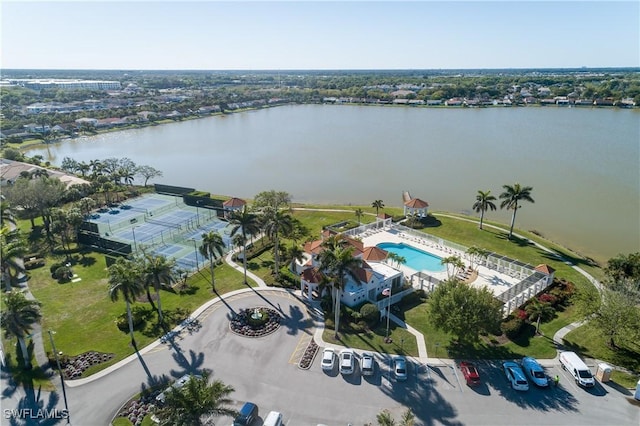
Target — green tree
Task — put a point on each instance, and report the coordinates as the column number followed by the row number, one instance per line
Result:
column 338, row 262
column 212, row 247
column 615, row 315
column 125, row 281
column 484, row 202
column 462, row 310
column 196, row 402
column 454, row 265
column 148, row 172
column 377, row 204
column 276, row 223
column 247, row 224
column 12, row 250
column 274, row 199
column 17, row 318
column 157, row 271
column 384, row 418
column 359, row 213
column 294, row 253
column 539, row 311
column 476, row 254
column 623, row 273
column 511, row 196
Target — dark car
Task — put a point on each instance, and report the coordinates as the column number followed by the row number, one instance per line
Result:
column 470, row 373
column 247, row 414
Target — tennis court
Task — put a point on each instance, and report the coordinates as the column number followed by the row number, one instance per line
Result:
column 161, row 224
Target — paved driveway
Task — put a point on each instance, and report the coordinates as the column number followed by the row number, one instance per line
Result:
column 264, row 370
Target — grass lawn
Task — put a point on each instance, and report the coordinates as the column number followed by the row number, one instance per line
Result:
column 402, row 342
column 84, row 317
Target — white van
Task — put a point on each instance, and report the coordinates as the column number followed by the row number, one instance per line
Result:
column 577, row 368
column 273, row 419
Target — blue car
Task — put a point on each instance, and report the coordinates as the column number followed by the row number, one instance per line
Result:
column 515, row 375
column 535, row 372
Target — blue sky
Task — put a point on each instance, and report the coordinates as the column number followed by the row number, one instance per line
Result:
column 319, row 35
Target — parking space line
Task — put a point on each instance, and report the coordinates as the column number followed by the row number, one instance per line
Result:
column 299, row 349
column 455, row 373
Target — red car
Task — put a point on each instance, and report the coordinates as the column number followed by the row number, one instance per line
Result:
column 470, row 373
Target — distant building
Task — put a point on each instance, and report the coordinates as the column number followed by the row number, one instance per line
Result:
column 65, row 84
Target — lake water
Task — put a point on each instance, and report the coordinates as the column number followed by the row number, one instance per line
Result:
column 583, row 164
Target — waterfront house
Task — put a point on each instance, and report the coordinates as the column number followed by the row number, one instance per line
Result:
column 372, row 277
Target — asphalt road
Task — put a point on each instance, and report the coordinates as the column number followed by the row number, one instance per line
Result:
column 264, row 370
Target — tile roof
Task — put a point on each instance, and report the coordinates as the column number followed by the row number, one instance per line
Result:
column 374, row 254
column 545, row 269
column 416, row 203
column 234, row 202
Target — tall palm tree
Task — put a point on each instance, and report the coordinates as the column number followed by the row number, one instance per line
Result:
column 484, row 202
column 212, row 247
column 124, row 281
column 12, row 250
column 377, row 204
column 195, row 402
column 337, row 261
column 17, row 317
column 454, row 265
column 156, row 271
column 359, row 214
column 277, row 222
column 511, row 196
column 247, row 224
column 294, row 253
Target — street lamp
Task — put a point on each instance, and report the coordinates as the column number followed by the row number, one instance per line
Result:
column 64, row 391
column 388, row 293
column 197, row 212
column 195, row 248
column 135, row 246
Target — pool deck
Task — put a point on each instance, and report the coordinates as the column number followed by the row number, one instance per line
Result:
column 495, row 281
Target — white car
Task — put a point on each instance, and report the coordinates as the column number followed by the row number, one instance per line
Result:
column 400, row 367
column 368, row 364
column 347, row 361
column 515, row 375
column 328, row 359
column 535, row 372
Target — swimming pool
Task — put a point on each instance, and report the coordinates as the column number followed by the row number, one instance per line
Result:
column 416, row 259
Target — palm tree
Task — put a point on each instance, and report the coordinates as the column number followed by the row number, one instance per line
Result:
column 294, row 253
column 156, row 271
column 476, row 254
column 359, row 214
column 511, row 196
column 186, row 406
column 247, row 224
column 277, row 222
column 538, row 311
column 377, row 204
column 212, row 247
column 484, row 202
column 6, row 213
column 454, row 265
column 18, row 315
column 337, row 260
column 124, row 280
column 12, row 250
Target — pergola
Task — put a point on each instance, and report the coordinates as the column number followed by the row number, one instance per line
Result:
column 416, row 206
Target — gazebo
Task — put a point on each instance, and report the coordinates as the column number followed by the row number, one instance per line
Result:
column 232, row 205
column 416, row 206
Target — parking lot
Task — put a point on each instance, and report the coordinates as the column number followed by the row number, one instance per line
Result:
column 436, row 392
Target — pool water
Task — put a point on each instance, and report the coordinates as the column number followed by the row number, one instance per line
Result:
column 416, row 259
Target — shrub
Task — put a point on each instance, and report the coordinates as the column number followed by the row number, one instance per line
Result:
column 548, row 298
column 138, row 315
column 370, row 313
column 53, row 268
column 512, row 327
column 63, row 274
